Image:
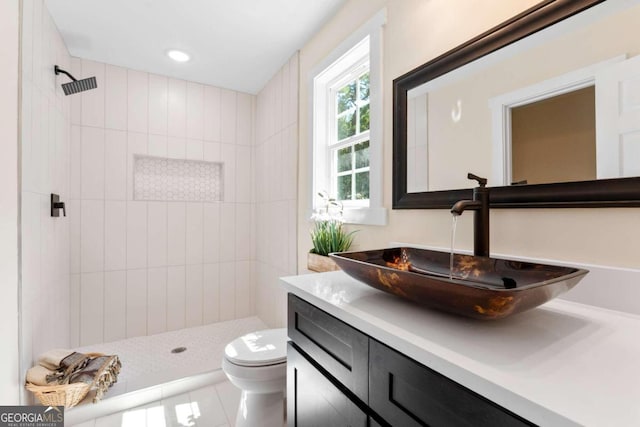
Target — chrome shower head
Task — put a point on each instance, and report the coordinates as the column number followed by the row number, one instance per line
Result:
column 76, row 85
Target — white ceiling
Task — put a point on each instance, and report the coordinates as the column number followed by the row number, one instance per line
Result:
column 235, row 44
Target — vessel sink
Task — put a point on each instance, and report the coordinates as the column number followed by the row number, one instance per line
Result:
column 478, row 287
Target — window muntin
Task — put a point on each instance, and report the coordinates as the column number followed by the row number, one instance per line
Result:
column 349, row 135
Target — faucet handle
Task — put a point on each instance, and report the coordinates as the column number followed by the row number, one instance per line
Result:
column 481, row 181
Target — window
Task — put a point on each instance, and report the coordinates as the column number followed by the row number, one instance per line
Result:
column 347, row 127
column 349, row 139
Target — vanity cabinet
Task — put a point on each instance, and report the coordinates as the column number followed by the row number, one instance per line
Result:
column 338, row 376
column 317, row 400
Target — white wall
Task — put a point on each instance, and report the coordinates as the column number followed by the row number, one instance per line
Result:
column 276, row 187
column 417, row 31
column 45, row 164
column 9, row 355
column 145, row 267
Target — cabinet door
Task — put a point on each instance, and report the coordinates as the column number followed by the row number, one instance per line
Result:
column 341, row 350
column 405, row 393
column 313, row 400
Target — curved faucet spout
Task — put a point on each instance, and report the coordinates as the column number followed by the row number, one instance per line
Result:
column 463, row 205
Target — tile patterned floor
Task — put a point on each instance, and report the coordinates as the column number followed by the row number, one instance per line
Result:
column 212, row 406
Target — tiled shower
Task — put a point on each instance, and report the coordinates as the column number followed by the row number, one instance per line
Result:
column 144, row 267
column 117, row 267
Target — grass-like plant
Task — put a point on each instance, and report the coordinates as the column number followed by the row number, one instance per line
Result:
column 328, row 234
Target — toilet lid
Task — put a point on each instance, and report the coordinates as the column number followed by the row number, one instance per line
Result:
column 260, row 348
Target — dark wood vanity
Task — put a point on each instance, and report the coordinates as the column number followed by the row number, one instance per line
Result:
column 339, row 376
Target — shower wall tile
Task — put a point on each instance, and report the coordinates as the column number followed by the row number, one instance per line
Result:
column 176, row 148
column 176, row 297
column 157, row 234
column 74, row 310
column 212, row 114
column 93, row 101
column 194, row 236
column 156, row 300
column 227, row 291
column 227, row 232
column 115, row 103
column 115, row 235
column 243, row 174
column 194, row 149
column 136, row 303
column 243, row 289
column 177, row 108
column 75, row 161
column 211, row 293
column 137, row 143
column 92, row 236
column 244, row 116
column 228, row 155
column 115, row 159
column 177, row 233
column 243, row 231
column 212, row 151
column 194, row 295
column 136, row 235
column 229, row 105
column 47, row 292
column 91, row 308
column 115, row 305
column 275, row 192
column 157, row 145
column 160, row 265
column 195, row 111
column 73, row 212
column 137, row 101
column 158, row 104
column 211, row 232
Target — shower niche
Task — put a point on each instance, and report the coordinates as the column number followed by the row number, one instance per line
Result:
column 177, row 180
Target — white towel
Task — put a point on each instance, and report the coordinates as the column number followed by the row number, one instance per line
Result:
column 38, row 375
column 52, row 358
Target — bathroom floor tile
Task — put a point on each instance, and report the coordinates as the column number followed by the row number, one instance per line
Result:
column 230, row 398
column 211, row 410
column 208, row 406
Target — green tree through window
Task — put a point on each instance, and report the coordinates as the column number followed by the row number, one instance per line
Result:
column 351, row 153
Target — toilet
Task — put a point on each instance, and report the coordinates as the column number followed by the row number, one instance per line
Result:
column 256, row 363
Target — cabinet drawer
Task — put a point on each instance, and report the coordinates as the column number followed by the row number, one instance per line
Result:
column 406, row 393
column 313, row 400
column 340, row 349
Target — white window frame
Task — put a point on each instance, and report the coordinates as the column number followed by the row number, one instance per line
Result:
column 364, row 42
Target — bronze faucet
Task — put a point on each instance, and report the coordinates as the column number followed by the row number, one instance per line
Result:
column 480, row 206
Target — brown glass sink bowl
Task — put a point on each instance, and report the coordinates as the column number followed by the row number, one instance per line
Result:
column 480, row 287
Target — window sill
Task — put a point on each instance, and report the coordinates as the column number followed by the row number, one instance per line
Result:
column 366, row 216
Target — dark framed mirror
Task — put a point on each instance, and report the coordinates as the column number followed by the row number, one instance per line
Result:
column 544, row 22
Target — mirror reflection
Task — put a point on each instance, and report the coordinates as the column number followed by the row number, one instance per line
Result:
column 561, row 105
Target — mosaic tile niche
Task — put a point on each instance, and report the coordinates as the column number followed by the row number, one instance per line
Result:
column 177, row 180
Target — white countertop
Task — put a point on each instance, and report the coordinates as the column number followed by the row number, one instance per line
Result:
column 561, row 364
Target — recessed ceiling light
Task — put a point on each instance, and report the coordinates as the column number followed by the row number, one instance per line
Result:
column 178, row 55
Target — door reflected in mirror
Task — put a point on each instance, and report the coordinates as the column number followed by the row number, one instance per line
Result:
column 554, row 140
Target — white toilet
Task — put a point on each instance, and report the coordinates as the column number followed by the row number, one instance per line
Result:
column 256, row 363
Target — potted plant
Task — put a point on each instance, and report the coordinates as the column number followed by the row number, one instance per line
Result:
column 328, row 235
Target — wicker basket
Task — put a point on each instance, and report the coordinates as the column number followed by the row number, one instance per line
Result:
column 67, row 395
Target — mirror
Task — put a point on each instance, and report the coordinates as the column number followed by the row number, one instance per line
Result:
column 446, row 123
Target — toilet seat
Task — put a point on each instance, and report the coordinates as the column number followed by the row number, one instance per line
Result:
column 260, row 348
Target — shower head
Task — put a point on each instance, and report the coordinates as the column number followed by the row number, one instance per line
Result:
column 76, row 85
